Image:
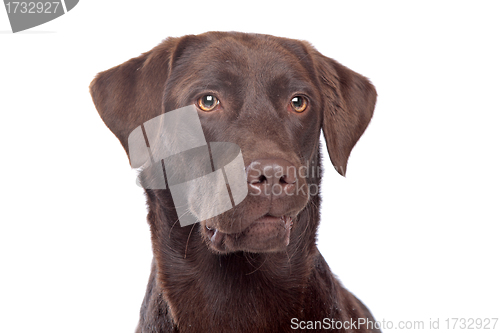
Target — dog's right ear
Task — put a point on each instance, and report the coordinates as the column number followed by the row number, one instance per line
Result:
column 349, row 104
column 130, row 94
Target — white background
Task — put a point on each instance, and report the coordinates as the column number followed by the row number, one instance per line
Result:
column 412, row 230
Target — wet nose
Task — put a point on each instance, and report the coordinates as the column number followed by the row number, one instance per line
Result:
column 274, row 177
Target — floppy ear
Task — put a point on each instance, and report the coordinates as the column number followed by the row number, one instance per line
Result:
column 348, row 107
column 129, row 94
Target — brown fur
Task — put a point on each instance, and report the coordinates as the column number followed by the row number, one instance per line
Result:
column 195, row 286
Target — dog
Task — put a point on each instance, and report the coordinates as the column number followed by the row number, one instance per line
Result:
column 256, row 267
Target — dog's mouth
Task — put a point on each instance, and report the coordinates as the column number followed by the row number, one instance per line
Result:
column 266, row 234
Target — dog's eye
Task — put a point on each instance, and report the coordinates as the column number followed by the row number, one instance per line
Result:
column 207, row 102
column 298, row 103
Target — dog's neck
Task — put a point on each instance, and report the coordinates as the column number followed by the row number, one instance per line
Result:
column 198, row 290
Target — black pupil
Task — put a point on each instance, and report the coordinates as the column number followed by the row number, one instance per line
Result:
column 297, row 102
column 208, row 101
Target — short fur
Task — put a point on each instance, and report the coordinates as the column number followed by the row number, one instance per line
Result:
column 195, row 286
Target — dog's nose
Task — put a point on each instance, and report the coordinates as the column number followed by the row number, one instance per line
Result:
column 274, row 177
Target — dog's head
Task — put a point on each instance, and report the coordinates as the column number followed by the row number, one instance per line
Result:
column 271, row 96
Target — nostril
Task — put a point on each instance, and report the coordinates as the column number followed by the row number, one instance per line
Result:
column 271, row 177
column 257, row 180
column 286, row 179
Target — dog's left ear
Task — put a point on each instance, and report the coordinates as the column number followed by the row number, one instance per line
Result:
column 349, row 101
column 130, row 94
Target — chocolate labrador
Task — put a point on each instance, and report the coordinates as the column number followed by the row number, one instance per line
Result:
column 256, row 267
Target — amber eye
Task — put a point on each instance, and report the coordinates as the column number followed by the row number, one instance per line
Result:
column 298, row 103
column 207, row 102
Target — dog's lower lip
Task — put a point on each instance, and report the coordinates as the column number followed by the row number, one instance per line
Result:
column 287, row 221
column 257, row 236
column 217, row 235
column 270, row 218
